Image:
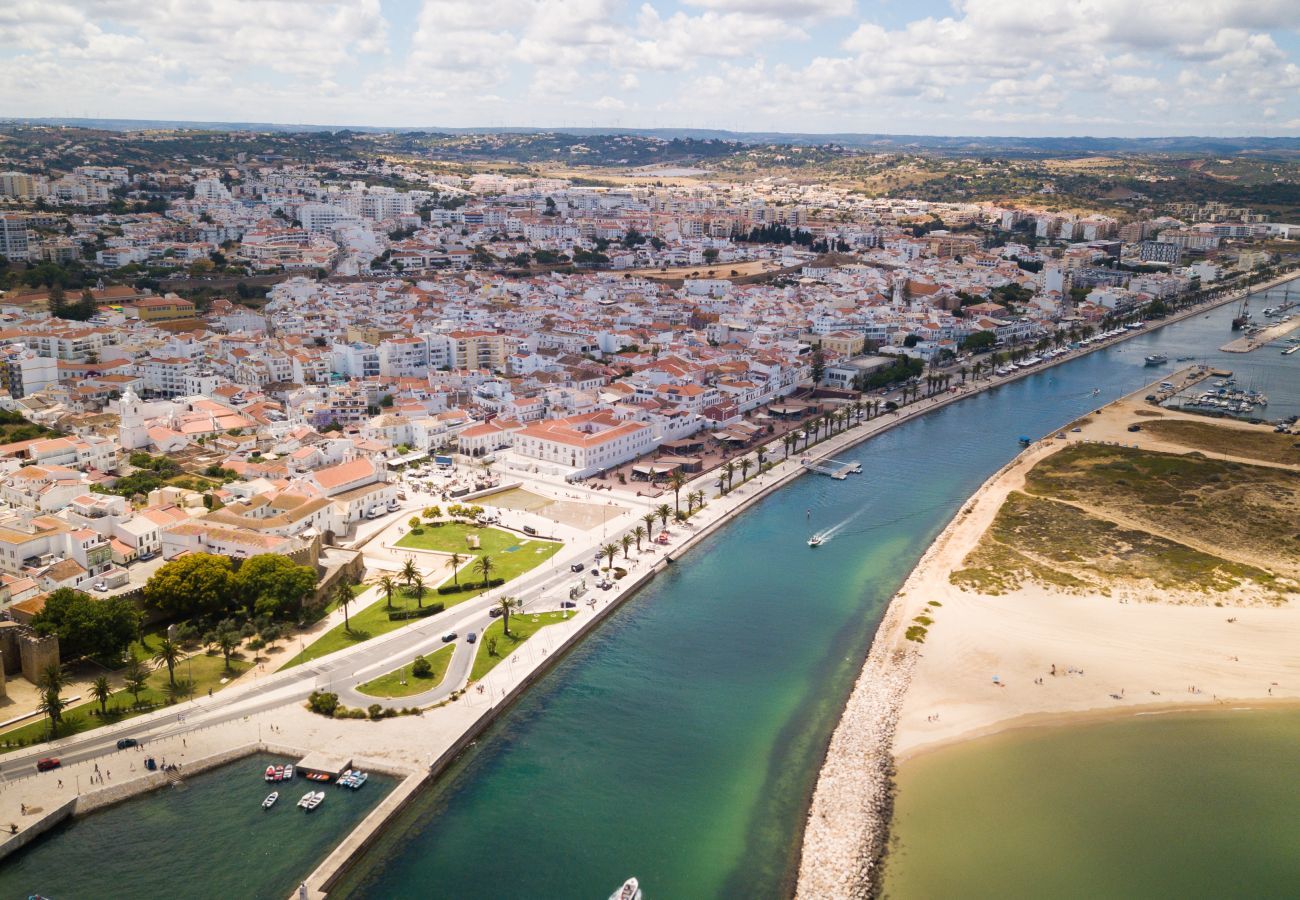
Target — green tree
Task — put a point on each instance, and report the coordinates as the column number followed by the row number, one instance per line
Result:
column 649, row 520
column 168, row 654
column 101, row 691
column 388, row 585
column 640, row 534
column 192, row 585
column 663, row 511
column 455, row 561
column 227, row 640
column 343, row 597
column 51, row 682
column 136, row 678
column 273, row 585
column 418, row 587
column 626, row 540
column 409, row 571
column 610, row 551
column 507, row 605
column 484, row 567
column 818, row 365
column 677, row 481
column 102, row 629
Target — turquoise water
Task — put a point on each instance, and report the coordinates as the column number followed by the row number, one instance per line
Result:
column 208, row 839
column 680, row 742
column 1154, row 807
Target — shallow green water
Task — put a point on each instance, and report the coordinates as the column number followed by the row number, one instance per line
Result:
column 208, row 839
column 1176, row 806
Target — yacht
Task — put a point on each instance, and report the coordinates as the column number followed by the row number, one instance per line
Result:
column 1157, row 359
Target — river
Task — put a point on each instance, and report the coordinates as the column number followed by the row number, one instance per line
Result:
column 681, row 741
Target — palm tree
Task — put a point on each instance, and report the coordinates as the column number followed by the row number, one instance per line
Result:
column 699, row 499
column 663, row 512
column 610, row 550
column 507, row 605
column 409, row 571
column 418, row 588
column 745, row 465
column 649, row 519
column 676, row 480
column 788, row 440
column 228, row 639
column 484, row 566
column 456, row 560
column 761, row 453
column 168, row 654
column 102, row 691
column 388, row 585
column 640, row 534
column 626, row 541
column 53, row 706
column 729, row 470
column 136, row 679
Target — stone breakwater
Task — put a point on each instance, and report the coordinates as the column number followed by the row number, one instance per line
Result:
column 847, row 830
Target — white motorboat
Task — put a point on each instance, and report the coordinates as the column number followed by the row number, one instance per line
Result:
column 316, row 800
column 815, row 540
column 288, row 773
column 306, row 798
column 270, row 799
column 631, row 890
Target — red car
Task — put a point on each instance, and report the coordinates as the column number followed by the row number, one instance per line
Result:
column 49, row 762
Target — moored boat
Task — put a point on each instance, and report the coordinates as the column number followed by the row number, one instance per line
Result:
column 1156, row 359
column 270, row 773
column 314, row 800
column 305, row 799
column 288, row 773
column 270, row 799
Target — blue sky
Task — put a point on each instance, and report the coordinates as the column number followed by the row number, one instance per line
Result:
column 1028, row 67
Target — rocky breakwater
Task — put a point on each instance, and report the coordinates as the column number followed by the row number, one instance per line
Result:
column 847, row 829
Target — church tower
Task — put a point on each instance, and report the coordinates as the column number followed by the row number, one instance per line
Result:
column 131, row 431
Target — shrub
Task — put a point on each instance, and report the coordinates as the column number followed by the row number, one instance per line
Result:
column 401, row 615
column 256, row 644
column 421, row 668
column 469, row 586
column 375, row 711
column 324, row 703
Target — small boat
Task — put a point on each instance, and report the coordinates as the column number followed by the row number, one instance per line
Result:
column 359, row 780
column 1025, row 440
column 1096, row 391
column 1156, row 359
column 631, row 890
column 270, row 799
column 314, row 801
column 305, row 799
column 288, row 773
column 1289, row 350
column 279, row 773
column 342, row 779
column 270, row 773
column 815, row 540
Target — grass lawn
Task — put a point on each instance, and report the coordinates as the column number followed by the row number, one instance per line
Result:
column 507, row 563
column 402, row 683
column 522, row 627
column 205, row 672
column 512, row 555
column 366, row 623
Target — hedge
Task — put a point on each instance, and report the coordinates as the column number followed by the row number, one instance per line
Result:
column 399, row 615
column 470, row 586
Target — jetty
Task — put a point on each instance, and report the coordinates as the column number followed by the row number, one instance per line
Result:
column 838, row 469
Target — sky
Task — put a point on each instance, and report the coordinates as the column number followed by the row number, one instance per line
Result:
column 971, row 67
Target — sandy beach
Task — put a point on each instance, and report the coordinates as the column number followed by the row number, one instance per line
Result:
column 1034, row 656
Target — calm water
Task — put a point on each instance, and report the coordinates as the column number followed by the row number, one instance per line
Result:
column 210, row 838
column 1175, row 806
column 681, row 741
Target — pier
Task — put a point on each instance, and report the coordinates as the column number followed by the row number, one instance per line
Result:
column 838, row 469
column 1263, row 336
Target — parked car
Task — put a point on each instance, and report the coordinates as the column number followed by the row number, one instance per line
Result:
column 568, row 604
column 577, row 567
column 101, row 586
column 127, row 742
column 605, row 585
column 47, row 763
column 449, row 637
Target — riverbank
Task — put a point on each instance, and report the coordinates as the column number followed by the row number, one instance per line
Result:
column 890, row 715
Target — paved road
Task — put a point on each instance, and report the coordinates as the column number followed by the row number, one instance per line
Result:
column 337, row 672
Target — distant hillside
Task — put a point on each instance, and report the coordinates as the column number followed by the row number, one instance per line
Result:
column 963, row 144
